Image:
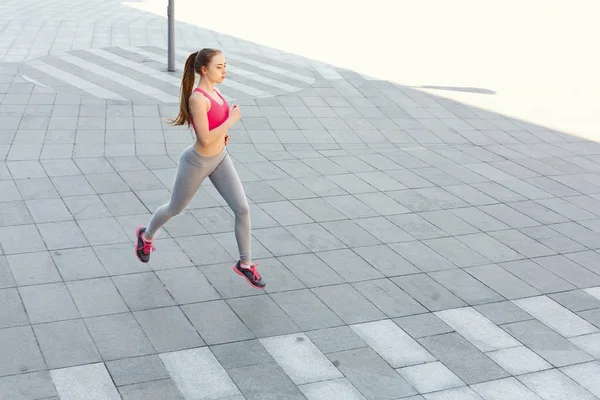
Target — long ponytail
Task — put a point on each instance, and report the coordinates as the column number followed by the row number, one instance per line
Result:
column 187, row 85
column 193, row 65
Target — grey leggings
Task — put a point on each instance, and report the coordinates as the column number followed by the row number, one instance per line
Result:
column 193, row 169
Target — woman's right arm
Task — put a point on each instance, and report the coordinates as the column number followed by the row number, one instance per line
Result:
column 199, row 110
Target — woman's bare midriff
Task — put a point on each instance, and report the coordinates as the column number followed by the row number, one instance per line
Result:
column 211, row 150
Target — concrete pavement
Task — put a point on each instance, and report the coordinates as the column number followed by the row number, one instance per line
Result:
column 414, row 247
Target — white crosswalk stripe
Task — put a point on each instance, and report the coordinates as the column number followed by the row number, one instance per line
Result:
column 139, row 74
column 180, row 66
column 121, row 79
column 80, row 83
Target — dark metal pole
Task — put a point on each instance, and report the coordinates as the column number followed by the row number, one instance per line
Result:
column 171, row 16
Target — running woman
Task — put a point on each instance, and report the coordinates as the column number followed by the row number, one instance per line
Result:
column 205, row 109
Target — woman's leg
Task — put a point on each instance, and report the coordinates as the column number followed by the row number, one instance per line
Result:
column 228, row 184
column 187, row 181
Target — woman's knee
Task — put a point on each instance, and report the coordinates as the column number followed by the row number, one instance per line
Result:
column 242, row 210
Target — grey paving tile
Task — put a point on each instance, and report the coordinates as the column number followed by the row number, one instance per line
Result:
column 536, row 276
column 349, row 265
column 241, row 354
column 336, row 389
column 322, row 186
column 319, row 210
column 348, row 304
column 203, row 249
column 522, row 243
column 62, row 235
column 86, row 207
column 592, row 316
column 335, row 339
column 456, row 252
column 128, row 371
column 315, row 237
column 519, row 360
column 107, row 183
column 184, row 365
column 155, row 390
column 92, row 378
column 285, row 213
column 260, row 309
column 508, row 388
column 187, row 285
column 306, row 310
column 15, row 213
column 538, row 212
column 111, row 231
column 33, row 268
column 477, row 329
column 587, row 259
column 499, row 192
column 19, row 351
column 384, row 230
column 265, row 381
column 428, row 292
column 463, row 285
column 79, row 263
column 6, row 278
column 556, row 316
column 417, row 226
column 116, row 259
column 94, row 297
column 392, row 343
column 423, row 325
column 463, row 393
column 216, row 322
column 47, row 303
column 389, row 298
column 430, row 377
column 462, row 358
column 547, row 343
column 489, row 247
column 503, row 312
column 349, row 206
column 588, row 343
column 300, row 359
column 37, row 188
column 414, row 201
column 371, row 375
column 21, row 239
column 9, row 191
column 448, row 222
column 470, row 194
column 279, row 241
column 13, row 311
column 584, row 375
column 385, row 260
column 66, row 343
column 168, row 329
column 422, row 256
column 142, row 291
column 554, row 384
column 509, row 216
column 350, row 233
column 570, row 271
column 34, row 385
column 72, row 185
column 118, row 336
column 579, row 234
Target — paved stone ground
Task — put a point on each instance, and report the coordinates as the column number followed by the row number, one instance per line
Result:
column 414, row 247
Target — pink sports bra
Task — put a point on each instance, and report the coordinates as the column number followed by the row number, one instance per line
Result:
column 218, row 113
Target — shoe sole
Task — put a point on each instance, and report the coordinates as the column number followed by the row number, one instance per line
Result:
column 249, row 281
column 137, row 237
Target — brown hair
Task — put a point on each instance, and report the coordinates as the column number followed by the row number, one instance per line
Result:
column 193, row 65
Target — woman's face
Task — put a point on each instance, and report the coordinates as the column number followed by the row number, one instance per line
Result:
column 216, row 68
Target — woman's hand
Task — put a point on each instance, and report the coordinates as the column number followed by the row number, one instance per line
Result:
column 235, row 114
